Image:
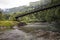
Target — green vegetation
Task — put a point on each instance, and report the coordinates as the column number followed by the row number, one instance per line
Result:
column 50, row 15
column 8, row 23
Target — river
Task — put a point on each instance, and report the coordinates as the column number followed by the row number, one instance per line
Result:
column 16, row 34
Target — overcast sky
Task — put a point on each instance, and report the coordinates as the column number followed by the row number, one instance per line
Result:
column 14, row 3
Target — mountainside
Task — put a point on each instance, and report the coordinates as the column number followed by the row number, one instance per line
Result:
column 33, row 5
column 17, row 9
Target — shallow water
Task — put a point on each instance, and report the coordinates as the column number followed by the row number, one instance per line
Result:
column 15, row 35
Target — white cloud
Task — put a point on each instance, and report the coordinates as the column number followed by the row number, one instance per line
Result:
column 14, row 3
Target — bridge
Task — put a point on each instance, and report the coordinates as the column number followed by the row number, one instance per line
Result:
column 54, row 6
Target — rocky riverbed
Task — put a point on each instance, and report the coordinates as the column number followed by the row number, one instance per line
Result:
column 29, row 33
column 15, row 35
column 36, row 35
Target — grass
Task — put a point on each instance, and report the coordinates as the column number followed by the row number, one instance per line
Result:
column 8, row 23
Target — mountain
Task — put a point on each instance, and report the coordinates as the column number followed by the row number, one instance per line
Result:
column 16, row 9
column 33, row 6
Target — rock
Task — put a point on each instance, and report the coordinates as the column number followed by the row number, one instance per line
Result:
column 1, row 33
column 47, row 34
column 21, row 24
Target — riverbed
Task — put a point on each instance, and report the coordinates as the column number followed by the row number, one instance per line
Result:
column 16, row 34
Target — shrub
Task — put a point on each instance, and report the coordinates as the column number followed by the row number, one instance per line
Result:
column 8, row 23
